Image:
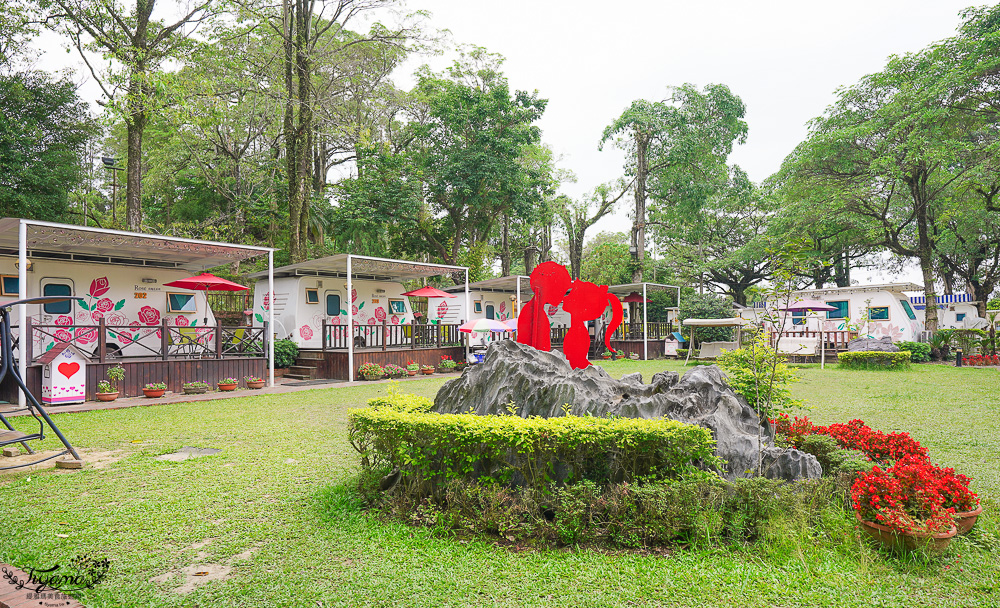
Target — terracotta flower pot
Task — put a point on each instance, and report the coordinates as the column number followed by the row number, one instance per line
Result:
column 605, row 357
column 372, row 377
column 894, row 540
column 107, row 396
column 964, row 520
column 195, row 391
column 427, row 372
column 412, row 372
column 256, row 385
column 227, row 387
column 153, row 393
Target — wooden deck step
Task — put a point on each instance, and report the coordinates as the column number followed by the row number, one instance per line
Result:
column 313, row 355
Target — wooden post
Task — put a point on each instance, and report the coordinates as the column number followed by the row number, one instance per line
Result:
column 385, row 336
column 26, row 342
column 324, row 335
column 437, row 328
column 164, row 339
column 102, row 341
column 413, row 334
column 218, row 339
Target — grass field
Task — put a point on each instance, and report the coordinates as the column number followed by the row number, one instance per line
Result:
column 269, row 521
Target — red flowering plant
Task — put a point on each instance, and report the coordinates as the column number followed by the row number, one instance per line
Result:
column 854, row 435
column 447, row 362
column 981, row 360
column 907, row 497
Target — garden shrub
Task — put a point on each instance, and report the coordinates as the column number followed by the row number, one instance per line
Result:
column 401, row 402
column 874, row 360
column 692, row 511
column 834, row 459
column 429, row 449
column 919, row 351
column 854, row 435
column 285, row 353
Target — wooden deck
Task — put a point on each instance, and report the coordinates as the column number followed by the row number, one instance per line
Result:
column 139, row 372
column 333, row 363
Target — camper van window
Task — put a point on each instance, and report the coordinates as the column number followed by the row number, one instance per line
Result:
column 332, row 304
column 841, row 312
column 959, row 317
column 878, row 313
column 397, row 307
column 9, row 286
column 312, row 296
column 181, row 303
column 909, row 310
column 798, row 317
column 63, row 307
column 478, row 306
column 489, row 311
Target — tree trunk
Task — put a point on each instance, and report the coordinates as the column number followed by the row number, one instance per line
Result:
column 133, row 171
column 505, row 247
column 639, row 225
column 925, row 250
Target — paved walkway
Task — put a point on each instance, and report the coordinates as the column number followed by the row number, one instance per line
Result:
column 281, row 387
column 12, row 597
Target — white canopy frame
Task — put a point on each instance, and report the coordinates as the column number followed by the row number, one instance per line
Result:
column 120, row 247
column 736, row 322
column 645, row 288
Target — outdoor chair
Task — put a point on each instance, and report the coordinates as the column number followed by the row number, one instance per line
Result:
column 712, row 350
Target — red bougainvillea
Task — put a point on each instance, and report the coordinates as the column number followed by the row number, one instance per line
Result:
column 854, row 435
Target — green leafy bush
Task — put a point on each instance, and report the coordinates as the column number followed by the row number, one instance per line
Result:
column 285, row 353
column 834, row 459
column 874, row 360
column 707, row 306
column 400, row 402
column 683, row 352
column 761, row 376
column 429, row 450
column 919, row 351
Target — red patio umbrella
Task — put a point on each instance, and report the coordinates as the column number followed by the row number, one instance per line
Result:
column 429, row 292
column 206, row 282
column 635, row 296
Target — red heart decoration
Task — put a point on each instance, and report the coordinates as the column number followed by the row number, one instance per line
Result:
column 68, row 369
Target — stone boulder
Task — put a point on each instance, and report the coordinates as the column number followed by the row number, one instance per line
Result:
column 883, row 345
column 540, row 383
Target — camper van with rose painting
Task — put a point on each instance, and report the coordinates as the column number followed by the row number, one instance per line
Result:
column 132, row 301
column 303, row 303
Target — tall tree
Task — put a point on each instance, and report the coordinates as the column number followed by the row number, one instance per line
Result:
column 678, row 143
column 136, row 46
column 578, row 217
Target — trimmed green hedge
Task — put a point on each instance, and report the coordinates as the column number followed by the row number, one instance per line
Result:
column 431, row 449
column 874, row 360
column 919, row 351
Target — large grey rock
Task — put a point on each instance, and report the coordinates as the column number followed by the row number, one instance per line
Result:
column 883, row 345
column 540, row 383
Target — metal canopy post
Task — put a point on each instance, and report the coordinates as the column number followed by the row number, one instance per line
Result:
column 518, row 291
column 468, row 313
column 645, row 335
column 22, row 309
column 270, row 318
column 350, row 323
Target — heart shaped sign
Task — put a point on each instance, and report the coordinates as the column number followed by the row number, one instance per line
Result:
column 68, row 369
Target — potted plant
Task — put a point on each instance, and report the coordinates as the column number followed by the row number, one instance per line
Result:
column 412, row 368
column 903, row 507
column 447, row 364
column 427, row 370
column 228, row 384
column 195, row 388
column 394, row 371
column 461, row 365
column 154, row 390
column 620, row 354
column 254, row 382
column 633, row 356
column 607, row 354
column 107, row 390
column 371, row 371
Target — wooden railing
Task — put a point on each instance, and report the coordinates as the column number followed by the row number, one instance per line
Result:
column 230, row 301
column 104, row 342
column 835, row 340
column 387, row 336
column 655, row 330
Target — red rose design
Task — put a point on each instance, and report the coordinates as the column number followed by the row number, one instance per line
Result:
column 380, row 313
column 82, row 316
column 135, row 325
column 503, row 306
column 354, row 309
column 182, row 321
column 306, row 332
column 371, row 321
column 63, row 336
column 442, row 309
column 96, row 316
column 117, row 318
column 99, row 287
column 86, row 335
column 64, row 320
column 104, row 305
column 124, row 338
column 149, row 315
column 267, row 301
column 395, row 319
column 354, row 295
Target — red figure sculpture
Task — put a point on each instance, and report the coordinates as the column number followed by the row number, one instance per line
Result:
column 549, row 282
column 584, row 302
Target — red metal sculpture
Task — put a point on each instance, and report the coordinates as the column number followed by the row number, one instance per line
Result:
column 584, row 302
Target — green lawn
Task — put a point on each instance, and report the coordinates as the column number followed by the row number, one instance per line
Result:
column 269, row 508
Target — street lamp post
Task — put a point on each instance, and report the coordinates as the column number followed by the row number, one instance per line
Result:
column 109, row 163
